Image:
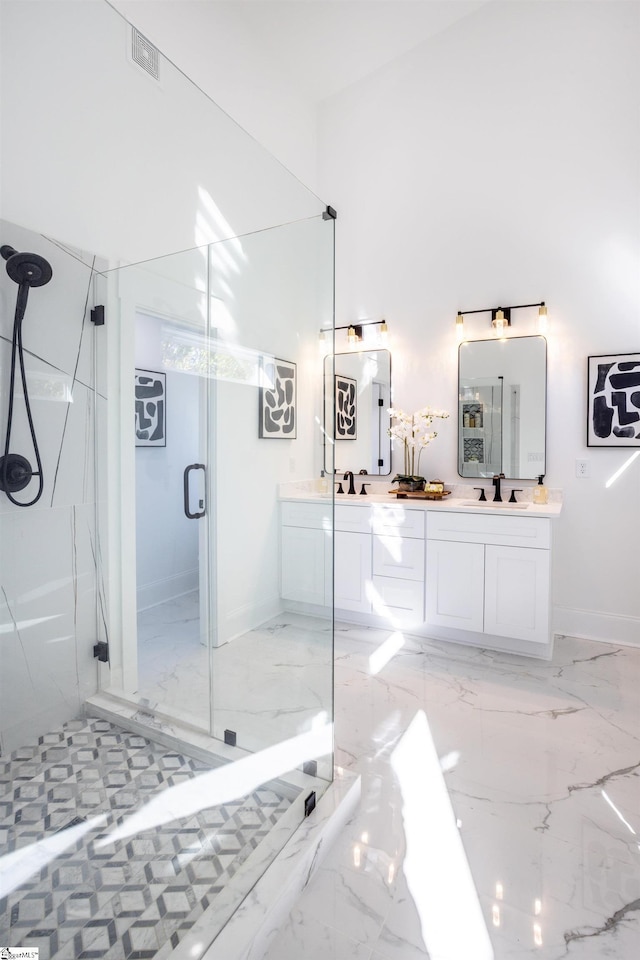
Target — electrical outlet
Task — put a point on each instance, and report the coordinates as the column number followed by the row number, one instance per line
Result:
column 582, row 468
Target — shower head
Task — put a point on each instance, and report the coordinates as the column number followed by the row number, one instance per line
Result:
column 29, row 268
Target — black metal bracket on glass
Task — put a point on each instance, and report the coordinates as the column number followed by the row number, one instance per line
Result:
column 203, row 508
column 101, row 651
column 97, row 315
column 482, row 496
column 329, row 213
column 512, row 498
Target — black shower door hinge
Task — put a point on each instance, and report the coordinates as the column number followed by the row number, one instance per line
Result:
column 97, row 315
column 101, row 651
column 329, row 213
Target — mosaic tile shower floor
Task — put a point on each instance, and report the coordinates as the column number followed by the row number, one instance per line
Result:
column 134, row 897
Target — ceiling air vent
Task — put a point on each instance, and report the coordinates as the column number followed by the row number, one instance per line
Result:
column 144, row 53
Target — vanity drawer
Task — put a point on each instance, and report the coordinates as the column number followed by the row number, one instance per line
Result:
column 352, row 519
column 483, row 528
column 305, row 514
column 400, row 600
column 393, row 519
column 398, row 557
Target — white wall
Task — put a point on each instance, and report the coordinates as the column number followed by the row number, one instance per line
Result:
column 210, row 42
column 166, row 541
column 107, row 158
column 498, row 164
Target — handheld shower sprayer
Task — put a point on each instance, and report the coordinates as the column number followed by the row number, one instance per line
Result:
column 27, row 270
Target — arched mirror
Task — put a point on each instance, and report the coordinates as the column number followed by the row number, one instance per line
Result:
column 502, row 402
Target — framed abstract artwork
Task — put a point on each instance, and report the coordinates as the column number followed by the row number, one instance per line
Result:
column 346, row 408
column 277, row 393
column 151, row 408
column 613, row 412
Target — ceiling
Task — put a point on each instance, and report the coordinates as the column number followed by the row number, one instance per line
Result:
column 326, row 45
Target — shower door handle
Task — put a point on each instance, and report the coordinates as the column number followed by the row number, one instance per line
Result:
column 202, row 504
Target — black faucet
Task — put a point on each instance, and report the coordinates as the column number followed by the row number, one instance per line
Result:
column 496, row 482
column 349, row 474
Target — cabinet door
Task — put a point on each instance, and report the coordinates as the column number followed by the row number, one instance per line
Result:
column 517, row 593
column 302, row 564
column 352, row 571
column 455, row 584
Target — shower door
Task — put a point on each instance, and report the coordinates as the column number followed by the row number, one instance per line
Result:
column 217, row 384
column 164, row 454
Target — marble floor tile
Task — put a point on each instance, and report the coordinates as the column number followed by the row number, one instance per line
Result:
column 534, row 795
column 540, row 763
column 309, row 940
column 267, row 685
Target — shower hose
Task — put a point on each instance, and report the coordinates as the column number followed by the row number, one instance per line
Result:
column 20, row 464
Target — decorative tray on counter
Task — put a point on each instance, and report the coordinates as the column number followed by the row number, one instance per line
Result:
column 420, row 494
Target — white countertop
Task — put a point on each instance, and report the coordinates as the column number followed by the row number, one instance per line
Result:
column 450, row 503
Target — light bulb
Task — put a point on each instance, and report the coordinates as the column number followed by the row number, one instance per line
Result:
column 383, row 333
column 543, row 318
column 460, row 328
column 499, row 323
column 351, row 334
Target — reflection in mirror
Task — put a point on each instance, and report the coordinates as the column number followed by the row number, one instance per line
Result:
column 502, row 408
column 356, row 412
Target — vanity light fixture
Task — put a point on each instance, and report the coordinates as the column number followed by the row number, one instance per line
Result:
column 355, row 331
column 501, row 317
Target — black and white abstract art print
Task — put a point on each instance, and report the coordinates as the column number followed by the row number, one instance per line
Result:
column 150, row 406
column 614, row 401
column 346, row 408
column 278, row 413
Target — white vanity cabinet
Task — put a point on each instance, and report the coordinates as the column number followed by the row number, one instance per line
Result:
column 378, row 561
column 469, row 576
column 489, row 575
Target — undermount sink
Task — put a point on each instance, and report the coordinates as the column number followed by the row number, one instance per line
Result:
column 492, row 503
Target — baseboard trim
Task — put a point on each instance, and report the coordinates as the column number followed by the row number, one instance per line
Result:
column 247, row 617
column 151, row 594
column 592, row 625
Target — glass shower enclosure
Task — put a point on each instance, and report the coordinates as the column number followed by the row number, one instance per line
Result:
column 216, row 378
column 162, row 709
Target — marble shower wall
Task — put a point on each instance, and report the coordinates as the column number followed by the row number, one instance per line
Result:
column 47, row 551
